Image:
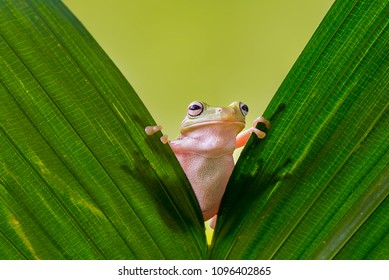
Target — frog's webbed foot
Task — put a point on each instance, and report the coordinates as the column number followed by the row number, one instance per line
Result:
column 150, row 130
column 244, row 136
column 260, row 134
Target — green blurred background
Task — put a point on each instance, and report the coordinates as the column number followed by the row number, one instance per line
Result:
column 176, row 51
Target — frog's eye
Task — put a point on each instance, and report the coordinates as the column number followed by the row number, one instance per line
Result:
column 244, row 108
column 195, row 109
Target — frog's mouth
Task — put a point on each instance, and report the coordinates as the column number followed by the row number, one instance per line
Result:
column 208, row 122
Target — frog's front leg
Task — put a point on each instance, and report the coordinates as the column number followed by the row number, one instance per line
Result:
column 244, row 136
column 150, row 130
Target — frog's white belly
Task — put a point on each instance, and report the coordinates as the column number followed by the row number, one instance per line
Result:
column 208, row 177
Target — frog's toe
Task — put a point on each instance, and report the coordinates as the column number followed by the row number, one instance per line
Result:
column 164, row 139
column 262, row 120
column 150, row 130
column 260, row 134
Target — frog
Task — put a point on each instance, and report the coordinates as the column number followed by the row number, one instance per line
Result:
column 204, row 148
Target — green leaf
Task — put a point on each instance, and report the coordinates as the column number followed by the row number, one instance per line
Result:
column 79, row 178
column 317, row 187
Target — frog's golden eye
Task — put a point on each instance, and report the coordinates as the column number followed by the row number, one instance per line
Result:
column 244, row 108
column 195, row 109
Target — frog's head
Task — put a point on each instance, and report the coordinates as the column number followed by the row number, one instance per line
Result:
column 200, row 114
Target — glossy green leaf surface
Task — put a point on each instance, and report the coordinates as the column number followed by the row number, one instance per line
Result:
column 79, row 178
column 317, row 187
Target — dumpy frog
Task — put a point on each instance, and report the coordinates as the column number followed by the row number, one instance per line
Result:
column 208, row 137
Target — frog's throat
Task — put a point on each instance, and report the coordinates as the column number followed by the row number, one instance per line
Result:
column 208, row 122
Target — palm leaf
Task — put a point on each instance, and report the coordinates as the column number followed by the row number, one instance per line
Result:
column 317, row 187
column 79, row 179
